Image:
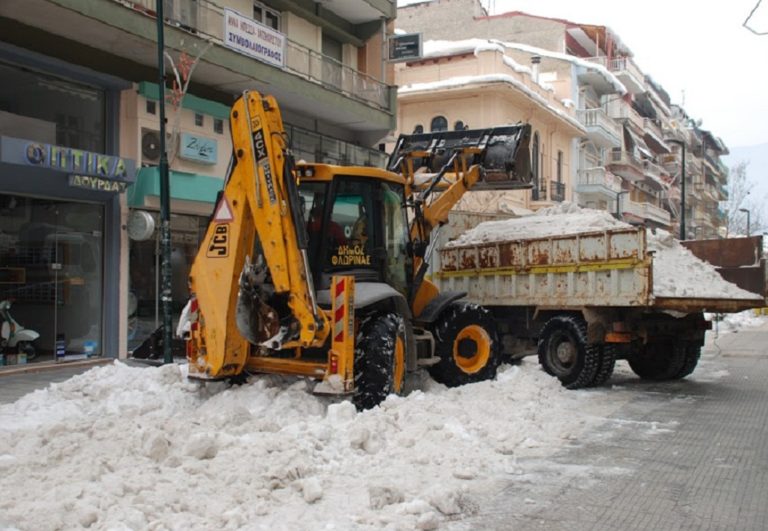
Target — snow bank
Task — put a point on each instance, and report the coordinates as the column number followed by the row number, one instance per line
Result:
column 676, row 271
column 135, row 448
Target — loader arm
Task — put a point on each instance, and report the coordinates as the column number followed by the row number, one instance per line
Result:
column 250, row 279
column 440, row 168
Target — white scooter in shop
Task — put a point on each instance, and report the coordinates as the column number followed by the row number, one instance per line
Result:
column 14, row 338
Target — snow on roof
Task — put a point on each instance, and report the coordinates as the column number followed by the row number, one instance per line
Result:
column 612, row 79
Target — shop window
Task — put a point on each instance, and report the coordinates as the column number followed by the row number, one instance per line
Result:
column 199, row 121
column 65, row 113
column 218, row 126
column 264, row 15
column 439, row 123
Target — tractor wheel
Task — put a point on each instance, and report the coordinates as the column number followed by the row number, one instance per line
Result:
column 608, row 354
column 659, row 361
column 565, row 353
column 467, row 344
column 379, row 360
column 692, row 355
column 28, row 349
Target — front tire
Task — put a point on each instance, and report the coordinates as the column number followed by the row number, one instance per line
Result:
column 379, row 364
column 565, row 353
column 467, row 344
column 28, row 349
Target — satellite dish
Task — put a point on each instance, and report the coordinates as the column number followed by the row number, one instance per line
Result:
column 141, row 225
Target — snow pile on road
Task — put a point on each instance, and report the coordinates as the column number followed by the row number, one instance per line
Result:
column 121, row 447
column 676, row 271
column 733, row 322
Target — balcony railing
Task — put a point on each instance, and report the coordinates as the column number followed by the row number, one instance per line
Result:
column 557, row 191
column 314, row 147
column 206, row 20
column 599, row 176
column 599, row 119
column 621, row 110
column 622, row 66
column 647, row 211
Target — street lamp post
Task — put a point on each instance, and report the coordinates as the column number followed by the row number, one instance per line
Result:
column 618, row 202
column 747, row 211
column 165, row 210
column 682, row 187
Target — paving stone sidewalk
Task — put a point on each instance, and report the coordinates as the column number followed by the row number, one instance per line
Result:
column 704, row 467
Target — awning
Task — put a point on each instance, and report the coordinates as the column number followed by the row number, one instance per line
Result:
column 633, row 141
column 183, row 186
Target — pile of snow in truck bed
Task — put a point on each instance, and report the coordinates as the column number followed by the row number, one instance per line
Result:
column 676, row 271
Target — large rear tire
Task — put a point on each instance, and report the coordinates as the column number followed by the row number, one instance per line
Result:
column 692, row 356
column 659, row 361
column 467, row 343
column 565, row 353
column 608, row 355
column 27, row 348
column 379, row 360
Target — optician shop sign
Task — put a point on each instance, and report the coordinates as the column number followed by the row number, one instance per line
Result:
column 251, row 38
column 95, row 171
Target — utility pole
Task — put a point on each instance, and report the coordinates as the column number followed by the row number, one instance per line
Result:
column 165, row 199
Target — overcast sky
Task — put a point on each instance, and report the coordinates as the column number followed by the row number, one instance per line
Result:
column 696, row 46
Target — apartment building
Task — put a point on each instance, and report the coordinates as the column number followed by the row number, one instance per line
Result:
column 79, row 142
column 627, row 162
column 476, row 84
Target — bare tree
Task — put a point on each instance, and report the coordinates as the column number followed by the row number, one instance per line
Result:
column 740, row 198
column 182, row 75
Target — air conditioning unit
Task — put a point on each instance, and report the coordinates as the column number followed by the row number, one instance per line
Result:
column 150, row 146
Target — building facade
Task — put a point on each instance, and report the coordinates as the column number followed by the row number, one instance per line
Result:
column 629, row 162
column 477, row 84
column 79, row 145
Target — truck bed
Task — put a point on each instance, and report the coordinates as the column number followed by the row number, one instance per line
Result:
column 603, row 268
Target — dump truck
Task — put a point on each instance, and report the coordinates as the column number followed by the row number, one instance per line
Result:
column 318, row 270
column 582, row 301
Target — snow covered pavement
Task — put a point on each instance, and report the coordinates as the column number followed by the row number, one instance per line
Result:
column 121, row 447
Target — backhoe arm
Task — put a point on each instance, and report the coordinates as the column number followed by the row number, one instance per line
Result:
column 250, row 278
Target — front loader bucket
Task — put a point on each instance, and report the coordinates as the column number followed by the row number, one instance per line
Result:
column 502, row 152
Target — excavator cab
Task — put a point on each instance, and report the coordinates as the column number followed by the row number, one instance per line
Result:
column 356, row 225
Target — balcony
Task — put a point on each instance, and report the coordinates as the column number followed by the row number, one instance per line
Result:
column 621, row 110
column 626, row 165
column 123, row 32
column 655, row 175
column 600, row 181
column 647, row 212
column 626, row 70
column 601, row 129
column 557, row 191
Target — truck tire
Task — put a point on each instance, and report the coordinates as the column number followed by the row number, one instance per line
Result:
column 379, row 364
column 467, row 344
column 608, row 354
column 565, row 353
column 692, row 355
column 658, row 361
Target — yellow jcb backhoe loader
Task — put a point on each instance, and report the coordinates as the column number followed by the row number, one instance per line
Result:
column 318, row 270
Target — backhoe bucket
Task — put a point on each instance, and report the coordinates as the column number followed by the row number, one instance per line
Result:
column 502, row 152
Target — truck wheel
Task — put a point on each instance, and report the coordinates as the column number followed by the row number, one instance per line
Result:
column 692, row 355
column 608, row 354
column 466, row 341
column 658, row 361
column 379, row 360
column 565, row 353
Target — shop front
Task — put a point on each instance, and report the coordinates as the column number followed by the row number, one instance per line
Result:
column 59, row 250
